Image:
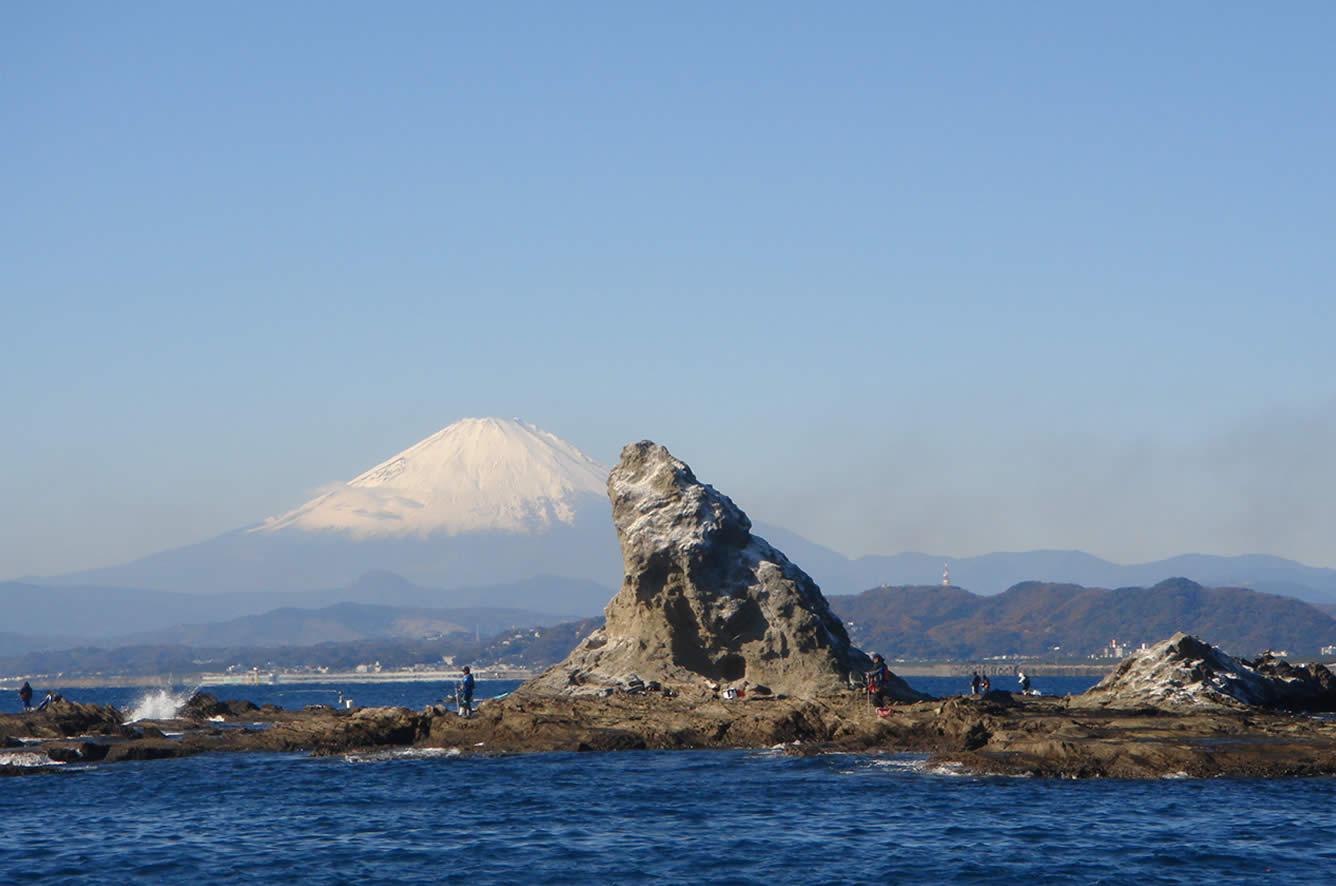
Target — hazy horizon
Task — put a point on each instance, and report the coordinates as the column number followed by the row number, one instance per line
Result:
column 953, row 281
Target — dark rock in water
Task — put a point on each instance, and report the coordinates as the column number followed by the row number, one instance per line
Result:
column 335, row 731
column 203, row 705
column 703, row 601
column 1308, row 688
column 75, row 752
column 1185, row 673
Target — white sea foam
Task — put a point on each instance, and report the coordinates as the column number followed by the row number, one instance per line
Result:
column 25, row 758
column 159, row 704
column 921, row 766
column 402, row 754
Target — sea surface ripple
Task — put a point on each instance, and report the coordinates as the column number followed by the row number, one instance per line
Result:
column 715, row 817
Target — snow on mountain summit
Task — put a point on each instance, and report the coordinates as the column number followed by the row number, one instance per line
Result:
column 476, row 474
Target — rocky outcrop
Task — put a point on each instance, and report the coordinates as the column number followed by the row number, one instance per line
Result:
column 1184, row 673
column 63, row 718
column 330, row 731
column 203, row 705
column 703, row 602
column 1047, row 736
column 1308, row 688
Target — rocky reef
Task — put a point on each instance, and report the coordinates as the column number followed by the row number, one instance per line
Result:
column 716, row 640
column 1082, row 736
column 1184, row 673
column 703, row 601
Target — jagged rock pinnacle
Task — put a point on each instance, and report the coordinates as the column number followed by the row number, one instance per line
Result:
column 703, row 600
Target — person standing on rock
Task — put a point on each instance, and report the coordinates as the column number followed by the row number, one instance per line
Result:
column 975, row 682
column 1024, row 681
column 25, row 695
column 464, row 693
column 879, row 681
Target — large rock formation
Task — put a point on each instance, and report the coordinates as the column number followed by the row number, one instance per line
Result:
column 1185, row 673
column 703, row 601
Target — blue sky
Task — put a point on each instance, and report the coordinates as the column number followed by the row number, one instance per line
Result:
column 952, row 280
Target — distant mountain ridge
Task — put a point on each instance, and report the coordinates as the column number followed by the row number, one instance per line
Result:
column 340, row 623
column 1032, row 618
column 988, row 574
column 487, row 502
column 42, row 617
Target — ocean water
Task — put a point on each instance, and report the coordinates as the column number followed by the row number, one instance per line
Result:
column 701, row 817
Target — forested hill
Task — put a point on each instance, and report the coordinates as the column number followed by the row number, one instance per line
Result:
column 1031, row 618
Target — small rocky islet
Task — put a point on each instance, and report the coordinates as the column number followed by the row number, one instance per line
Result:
column 716, row 640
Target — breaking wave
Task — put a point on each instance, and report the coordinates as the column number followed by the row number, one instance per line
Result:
column 159, row 704
column 25, row 758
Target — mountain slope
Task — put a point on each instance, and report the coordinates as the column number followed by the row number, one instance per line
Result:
column 1032, row 618
column 102, row 615
column 989, row 574
column 339, row 623
column 481, row 502
column 478, row 474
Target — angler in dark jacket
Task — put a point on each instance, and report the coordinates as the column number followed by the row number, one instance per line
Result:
column 879, row 681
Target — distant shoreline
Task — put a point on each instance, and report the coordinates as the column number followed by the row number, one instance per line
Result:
column 449, row 676
column 269, row 678
column 262, row 678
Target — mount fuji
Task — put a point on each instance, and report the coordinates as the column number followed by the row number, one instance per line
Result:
column 477, row 475
column 482, row 503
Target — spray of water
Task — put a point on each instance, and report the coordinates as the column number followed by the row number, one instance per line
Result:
column 159, row 704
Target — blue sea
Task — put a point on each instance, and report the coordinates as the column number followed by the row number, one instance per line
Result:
column 699, row 817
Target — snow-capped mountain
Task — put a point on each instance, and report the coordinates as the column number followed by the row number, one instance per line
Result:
column 478, row 474
column 483, row 502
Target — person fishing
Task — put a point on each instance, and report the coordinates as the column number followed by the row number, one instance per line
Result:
column 464, row 693
column 25, row 695
column 879, row 681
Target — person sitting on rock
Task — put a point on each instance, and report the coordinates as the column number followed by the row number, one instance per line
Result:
column 464, row 693
column 1024, row 681
column 879, row 681
column 985, row 685
column 50, row 697
column 25, row 695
